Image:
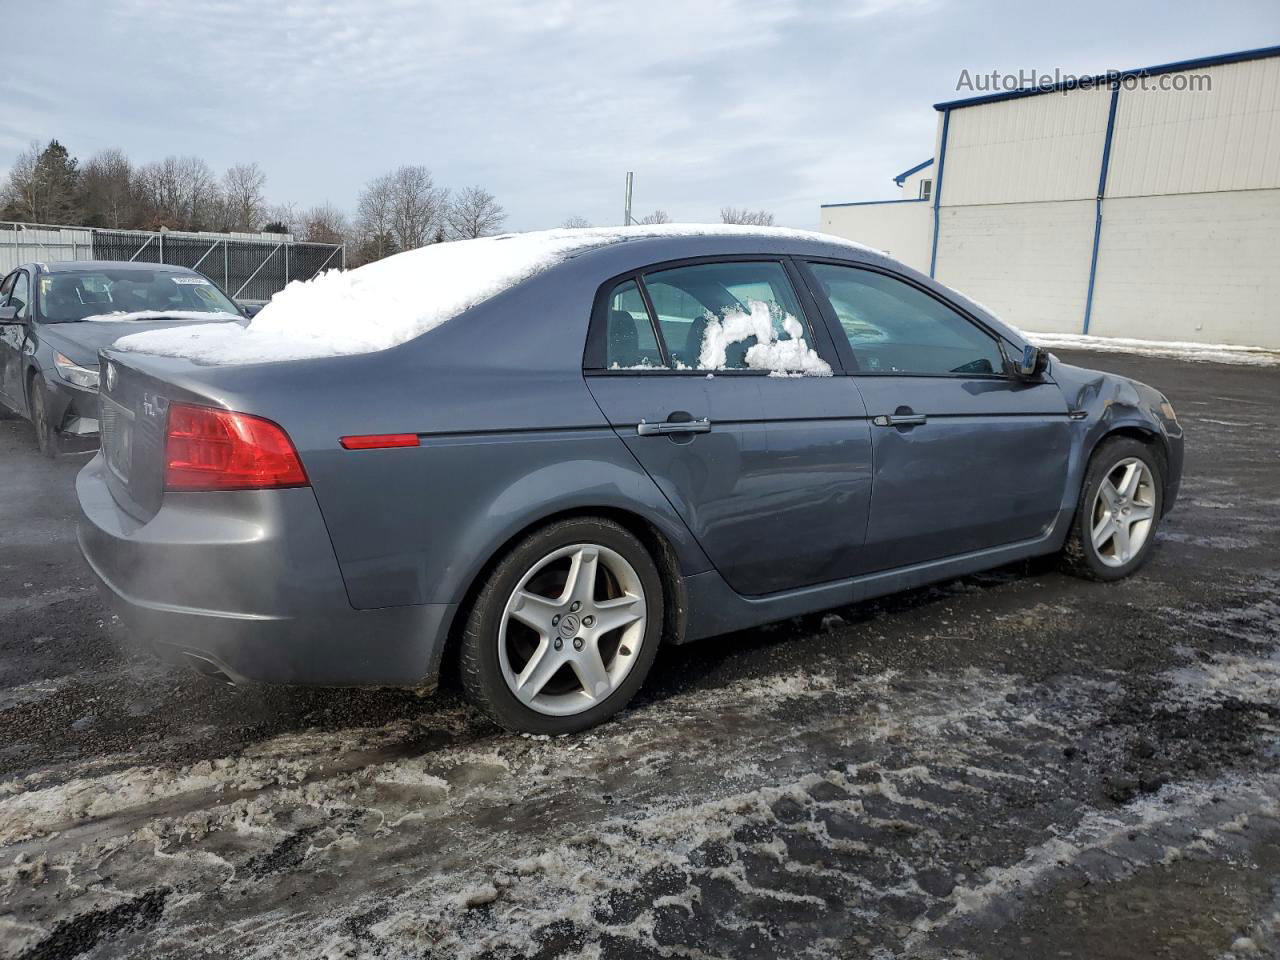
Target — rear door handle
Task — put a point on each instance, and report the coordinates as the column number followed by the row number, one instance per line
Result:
column 668, row 427
column 900, row 420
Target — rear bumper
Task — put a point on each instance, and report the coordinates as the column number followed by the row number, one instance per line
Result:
column 248, row 581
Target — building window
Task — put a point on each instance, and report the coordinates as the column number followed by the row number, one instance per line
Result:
column 926, row 189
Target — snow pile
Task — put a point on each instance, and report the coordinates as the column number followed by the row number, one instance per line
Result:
column 394, row 300
column 769, row 352
column 1174, row 349
column 121, row 316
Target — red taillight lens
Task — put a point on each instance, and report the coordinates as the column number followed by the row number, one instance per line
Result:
column 211, row 449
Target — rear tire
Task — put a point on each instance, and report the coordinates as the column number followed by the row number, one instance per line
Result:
column 564, row 629
column 46, row 438
column 1114, row 529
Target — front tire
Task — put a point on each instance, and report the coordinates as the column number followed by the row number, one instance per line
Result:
column 564, row 629
column 46, row 438
column 1114, row 529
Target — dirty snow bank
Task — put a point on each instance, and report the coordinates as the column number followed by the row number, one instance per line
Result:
column 1175, row 349
column 394, row 300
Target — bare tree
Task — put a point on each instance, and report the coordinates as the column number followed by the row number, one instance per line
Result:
column 474, row 212
column 754, row 218
column 576, row 223
column 243, row 201
column 108, row 190
column 281, row 218
column 325, row 224
column 417, row 206
column 373, row 219
column 22, row 191
column 658, row 216
column 43, row 185
column 181, row 193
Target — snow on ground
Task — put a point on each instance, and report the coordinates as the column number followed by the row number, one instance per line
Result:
column 1174, row 349
column 394, row 300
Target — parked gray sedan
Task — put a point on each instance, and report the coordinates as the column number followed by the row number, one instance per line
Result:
column 663, row 436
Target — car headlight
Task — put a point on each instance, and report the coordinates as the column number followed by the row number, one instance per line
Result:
column 1166, row 408
column 72, row 372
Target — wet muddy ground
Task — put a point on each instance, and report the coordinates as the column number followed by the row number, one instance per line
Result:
column 1017, row 764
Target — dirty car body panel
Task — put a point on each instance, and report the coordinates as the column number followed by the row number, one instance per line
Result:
column 792, row 500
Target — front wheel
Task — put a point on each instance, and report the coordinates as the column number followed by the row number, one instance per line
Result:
column 565, row 628
column 1115, row 525
column 46, row 438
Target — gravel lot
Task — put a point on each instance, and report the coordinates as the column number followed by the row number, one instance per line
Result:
column 1017, row 764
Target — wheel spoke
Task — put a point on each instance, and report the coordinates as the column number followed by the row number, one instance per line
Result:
column 540, row 668
column 581, row 583
column 535, row 611
column 1141, row 511
column 612, row 614
column 1104, row 531
column 591, row 672
column 1110, row 495
column 1121, row 538
column 1129, row 483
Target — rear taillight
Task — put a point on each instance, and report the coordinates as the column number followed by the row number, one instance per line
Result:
column 211, row 449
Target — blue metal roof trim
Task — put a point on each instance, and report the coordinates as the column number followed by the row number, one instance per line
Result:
column 1101, row 79
column 869, row 203
column 906, row 173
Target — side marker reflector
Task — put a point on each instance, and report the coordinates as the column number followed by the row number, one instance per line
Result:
column 378, row 441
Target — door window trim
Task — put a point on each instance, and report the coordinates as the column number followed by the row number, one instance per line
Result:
column 845, row 348
column 595, row 351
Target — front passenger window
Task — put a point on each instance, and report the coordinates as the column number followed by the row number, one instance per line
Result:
column 894, row 327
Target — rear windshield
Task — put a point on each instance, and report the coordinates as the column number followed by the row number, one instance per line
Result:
column 74, row 296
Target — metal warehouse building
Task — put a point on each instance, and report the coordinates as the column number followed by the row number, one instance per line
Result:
column 1141, row 204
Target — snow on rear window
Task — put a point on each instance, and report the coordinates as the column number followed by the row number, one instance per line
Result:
column 389, row 302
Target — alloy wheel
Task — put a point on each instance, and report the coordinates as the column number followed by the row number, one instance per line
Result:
column 1123, row 513
column 572, row 629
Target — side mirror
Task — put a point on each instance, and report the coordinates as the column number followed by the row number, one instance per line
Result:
column 250, row 310
column 1033, row 363
column 9, row 315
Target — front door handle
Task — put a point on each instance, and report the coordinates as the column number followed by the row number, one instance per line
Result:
column 900, row 420
column 668, row 427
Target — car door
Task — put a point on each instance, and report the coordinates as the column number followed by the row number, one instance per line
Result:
column 967, row 456
column 16, row 291
column 770, row 473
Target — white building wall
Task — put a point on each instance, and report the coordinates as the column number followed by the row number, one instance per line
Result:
column 1027, row 262
column 902, row 230
column 1189, row 247
column 1195, row 266
column 1033, row 149
column 1189, row 141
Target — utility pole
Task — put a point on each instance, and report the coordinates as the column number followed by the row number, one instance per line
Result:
column 626, row 212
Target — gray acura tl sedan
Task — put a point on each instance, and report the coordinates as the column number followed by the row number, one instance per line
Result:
column 638, row 436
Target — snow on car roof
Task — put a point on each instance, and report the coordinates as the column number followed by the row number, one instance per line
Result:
column 391, row 301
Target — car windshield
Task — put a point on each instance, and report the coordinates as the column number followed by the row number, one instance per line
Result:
column 77, row 295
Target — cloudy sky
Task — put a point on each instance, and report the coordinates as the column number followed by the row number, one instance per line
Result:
column 711, row 102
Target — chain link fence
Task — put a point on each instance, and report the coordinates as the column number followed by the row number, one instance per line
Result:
column 249, row 267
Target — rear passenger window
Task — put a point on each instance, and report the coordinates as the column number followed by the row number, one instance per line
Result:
column 895, row 328
column 632, row 344
column 733, row 316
